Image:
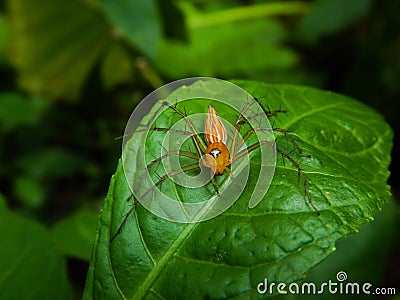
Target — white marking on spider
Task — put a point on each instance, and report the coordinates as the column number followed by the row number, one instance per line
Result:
column 215, row 152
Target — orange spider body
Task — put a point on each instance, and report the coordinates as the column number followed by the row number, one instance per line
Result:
column 217, row 156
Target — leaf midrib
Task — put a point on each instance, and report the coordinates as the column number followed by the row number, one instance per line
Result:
column 159, row 267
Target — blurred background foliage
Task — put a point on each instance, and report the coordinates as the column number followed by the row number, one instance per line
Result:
column 71, row 73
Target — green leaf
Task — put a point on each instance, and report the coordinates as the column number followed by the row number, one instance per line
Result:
column 228, row 49
column 55, row 44
column 354, row 254
column 75, row 234
column 3, row 38
column 50, row 163
column 329, row 16
column 29, row 191
column 173, row 20
column 137, row 21
column 31, row 266
column 16, row 110
column 3, row 202
column 280, row 239
column 116, row 67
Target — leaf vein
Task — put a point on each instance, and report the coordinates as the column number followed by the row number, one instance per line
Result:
column 143, row 241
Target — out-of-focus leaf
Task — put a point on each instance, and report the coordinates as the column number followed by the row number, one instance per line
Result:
column 3, row 202
column 228, row 49
column 353, row 255
column 75, row 234
column 31, row 267
column 55, row 44
column 51, row 162
column 329, row 16
column 173, row 19
column 137, row 21
column 16, row 110
column 116, row 67
column 29, row 192
column 3, row 38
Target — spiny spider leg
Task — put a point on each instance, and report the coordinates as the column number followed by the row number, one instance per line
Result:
column 167, row 154
column 199, row 143
column 134, row 205
column 151, row 121
column 200, row 148
column 251, row 148
column 268, row 114
column 288, row 157
column 232, row 144
column 168, row 175
column 292, row 140
column 151, row 189
column 229, row 171
column 167, row 130
column 241, row 120
column 170, row 153
column 301, row 174
column 214, row 185
column 247, row 135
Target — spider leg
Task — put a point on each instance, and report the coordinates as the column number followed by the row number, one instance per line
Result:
column 292, row 140
column 247, row 135
column 159, row 159
column 168, row 175
column 170, row 153
column 251, row 148
column 151, row 189
column 301, row 175
column 134, row 205
column 268, row 113
column 163, row 129
column 199, row 143
column 238, row 124
column 288, row 157
column 229, row 171
column 214, row 185
column 241, row 120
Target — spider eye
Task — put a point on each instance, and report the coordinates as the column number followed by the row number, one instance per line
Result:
column 215, row 152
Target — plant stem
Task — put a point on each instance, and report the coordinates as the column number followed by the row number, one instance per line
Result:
column 248, row 13
column 148, row 72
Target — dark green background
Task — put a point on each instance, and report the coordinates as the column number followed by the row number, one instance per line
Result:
column 71, row 73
